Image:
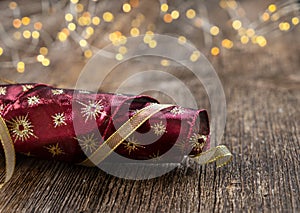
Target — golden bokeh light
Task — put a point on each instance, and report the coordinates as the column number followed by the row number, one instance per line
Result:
column 272, row 8
column 40, row 58
column 126, row 7
column 45, row 62
column 108, row 17
column 69, row 17
column 164, row 7
column 44, row 51
column 190, row 14
column 26, row 20
column 215, row 51
column 295, row 20
column 134, row 32
column 175, row 14
column 165, row 62
column 227, row 43
column 88, row 53
column 119, row 57
column 20, row 66
column 35, row 34
column 181, row 40
column 152, row 44
column 96, row 20
column 26, row 34
column 12, row 5
column 261, row 41
column 244, row 39
column 195, row 56
column 284, row 26
column 214, row 30
column 123, row 50
column 236, row 24
column 83, row 43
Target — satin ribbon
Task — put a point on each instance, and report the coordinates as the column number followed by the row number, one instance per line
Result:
column 9, row 151
column 220, row 154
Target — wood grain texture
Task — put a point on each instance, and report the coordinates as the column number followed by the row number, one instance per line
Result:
column 262, row 87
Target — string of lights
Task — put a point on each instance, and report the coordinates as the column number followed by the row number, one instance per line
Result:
column 29, row 32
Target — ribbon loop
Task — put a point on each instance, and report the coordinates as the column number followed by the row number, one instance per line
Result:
column 219, row 154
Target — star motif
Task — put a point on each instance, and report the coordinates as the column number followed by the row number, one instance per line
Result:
column 57, row 91
column 159, row 128
column 88, row 143
column 198, row 145
column 21, row 128
column 132, row 145
column 91, row 110
column 55, row 150
column 2, row 90
column 34, row 100
column 155, row 156
column 59, row 119
column 177, row 111
column 26, row 87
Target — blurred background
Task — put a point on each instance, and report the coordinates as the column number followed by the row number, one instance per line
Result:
column 50, row 41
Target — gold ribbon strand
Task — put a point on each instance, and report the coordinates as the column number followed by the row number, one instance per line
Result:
column 9, row 151
column 123, row 133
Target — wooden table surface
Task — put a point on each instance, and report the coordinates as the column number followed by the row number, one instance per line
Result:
column 262, row 87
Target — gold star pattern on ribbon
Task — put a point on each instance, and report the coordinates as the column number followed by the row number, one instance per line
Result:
column 55, row 150
column 57, row 91
column 197, row 143
column 159, row 128
column 26, row 87
column 88, row 143
column 21, row 128
column 132, row 145
column 91, row 110
column 59, row 119
column 155, row 156
column 2, row 90
column 34, row 100
column 177, row 111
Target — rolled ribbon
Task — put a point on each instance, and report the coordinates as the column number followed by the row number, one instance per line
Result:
column 31, row 104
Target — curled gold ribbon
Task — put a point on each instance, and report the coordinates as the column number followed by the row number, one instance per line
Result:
column 9, row 151
column 219, row 154
column 125, row 130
